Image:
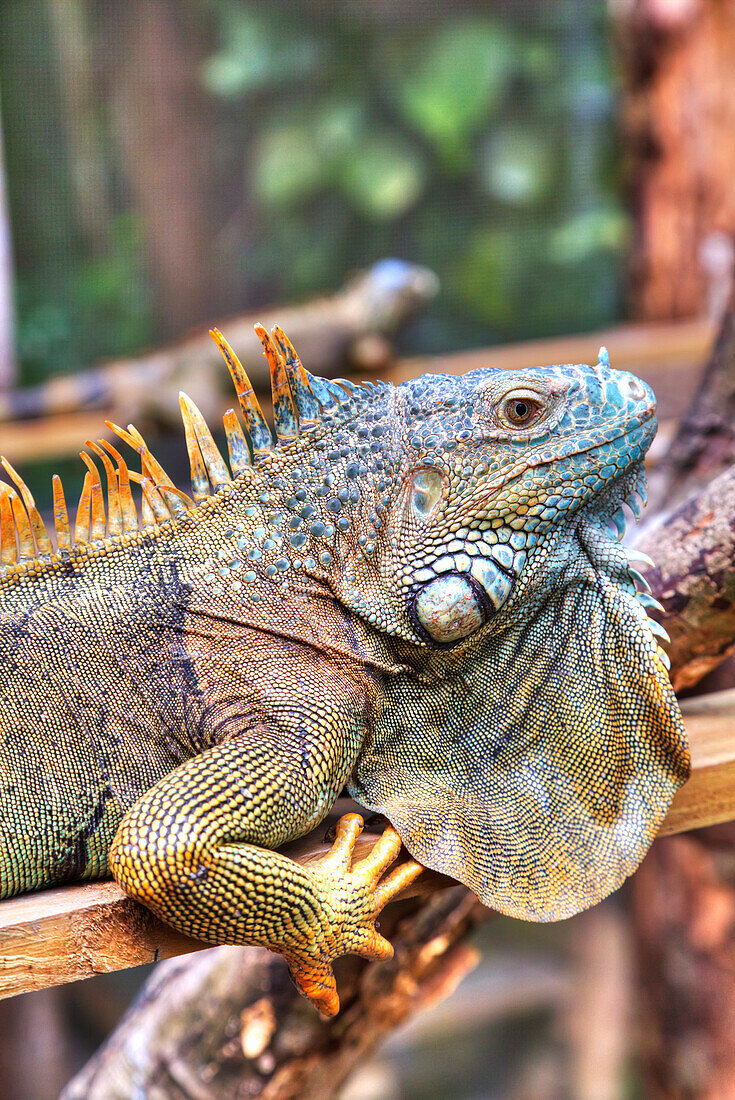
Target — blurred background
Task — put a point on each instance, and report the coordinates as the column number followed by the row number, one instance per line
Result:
column 546, row 167
column 167, row 163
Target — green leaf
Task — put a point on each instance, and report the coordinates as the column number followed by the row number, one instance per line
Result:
column 288, row 166
column 305, row 151
column 259, row 51
column 456, row 83
column 604, row 228
column 382, row 177
column 518, row 164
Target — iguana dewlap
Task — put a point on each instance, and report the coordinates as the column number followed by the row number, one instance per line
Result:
column 416, row 591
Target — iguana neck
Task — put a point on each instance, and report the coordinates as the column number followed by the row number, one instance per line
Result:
column 538, row 766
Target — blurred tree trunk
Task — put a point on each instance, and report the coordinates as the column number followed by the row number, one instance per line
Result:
column 684, row 920
column 678, row 123
column 600, row 1008
column 8, row 367
column 166, row 133
column 77, row 81
column 37, row 1047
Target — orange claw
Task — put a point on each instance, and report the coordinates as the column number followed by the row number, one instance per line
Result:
column 397, row 881
column 315, row 980
column 355, row 894
column 339, row 858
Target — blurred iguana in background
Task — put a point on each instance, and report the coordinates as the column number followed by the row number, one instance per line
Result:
column 348, row 331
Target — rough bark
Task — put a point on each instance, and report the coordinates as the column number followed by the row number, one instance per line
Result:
column 694, row 579
column 704, row 443
column 678, row 124
column 228, row 1023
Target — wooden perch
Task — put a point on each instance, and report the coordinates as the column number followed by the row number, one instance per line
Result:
column 72, row 932
column 709, row 796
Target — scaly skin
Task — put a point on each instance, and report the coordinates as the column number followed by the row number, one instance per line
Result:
column 419, row 593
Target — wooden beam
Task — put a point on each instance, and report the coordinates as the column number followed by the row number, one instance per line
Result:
column 51, row 437
column 74, row 932
column 709, row 796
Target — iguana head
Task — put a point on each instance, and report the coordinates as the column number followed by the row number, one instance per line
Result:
column 486, row 469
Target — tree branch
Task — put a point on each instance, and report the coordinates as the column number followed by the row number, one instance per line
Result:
column 229, row 1022
column 694, row 579
column 704, row 443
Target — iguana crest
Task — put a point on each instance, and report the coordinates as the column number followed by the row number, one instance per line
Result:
column 298, row 401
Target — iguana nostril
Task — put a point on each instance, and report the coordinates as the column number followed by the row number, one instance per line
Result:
column 448, row 608
column 636, row 389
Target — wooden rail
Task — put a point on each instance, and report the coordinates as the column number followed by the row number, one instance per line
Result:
column 669, row 357
column 65, row 934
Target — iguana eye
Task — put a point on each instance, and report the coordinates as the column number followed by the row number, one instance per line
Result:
column 520, row 409
column 427, row 489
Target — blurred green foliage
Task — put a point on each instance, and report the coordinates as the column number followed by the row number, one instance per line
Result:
column 454, row 83
column 480, row 144
column 101, row 309
column 475, row 139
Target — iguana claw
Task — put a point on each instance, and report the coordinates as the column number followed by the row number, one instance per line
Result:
column 353, row 897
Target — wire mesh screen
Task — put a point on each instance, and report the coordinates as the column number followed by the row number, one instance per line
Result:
column 169, row 163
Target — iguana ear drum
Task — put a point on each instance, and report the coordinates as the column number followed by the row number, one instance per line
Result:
column 449, row 608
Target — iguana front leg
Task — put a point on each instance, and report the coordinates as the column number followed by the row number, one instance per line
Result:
column 195, row 850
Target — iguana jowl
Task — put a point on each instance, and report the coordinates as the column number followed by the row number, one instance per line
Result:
column 418, row 591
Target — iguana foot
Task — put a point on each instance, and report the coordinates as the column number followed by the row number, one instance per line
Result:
column 352, row 898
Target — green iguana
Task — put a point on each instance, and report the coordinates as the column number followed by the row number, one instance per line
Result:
column 416, row 591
